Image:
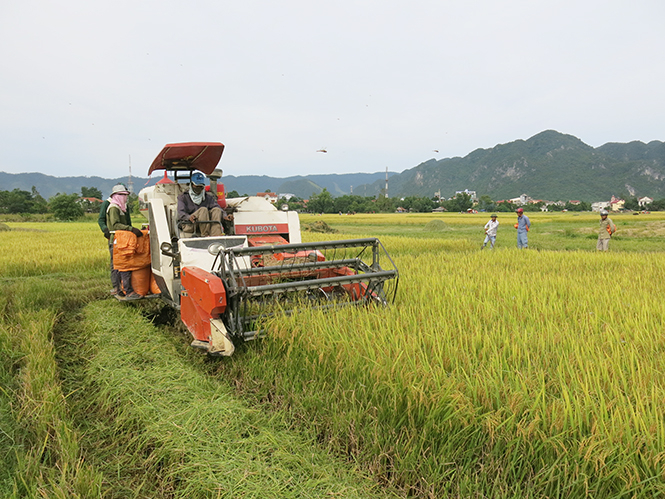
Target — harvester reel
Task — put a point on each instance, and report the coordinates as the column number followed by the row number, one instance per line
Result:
column 314, row 275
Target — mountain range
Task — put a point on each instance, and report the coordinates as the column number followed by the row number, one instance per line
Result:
column 550, row 165
column 301, row 186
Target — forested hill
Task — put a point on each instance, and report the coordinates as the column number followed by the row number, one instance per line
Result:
column 550, row 165
column 301, row 186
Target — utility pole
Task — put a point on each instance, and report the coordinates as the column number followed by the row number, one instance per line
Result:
column 130, row 184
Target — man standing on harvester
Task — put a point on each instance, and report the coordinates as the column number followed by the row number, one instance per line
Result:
column 523, row 225
column 607, row 228
column 119, row 192
column 196, row 206
column 118, row 219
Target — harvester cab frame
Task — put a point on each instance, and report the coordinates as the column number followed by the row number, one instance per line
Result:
column 225, row 286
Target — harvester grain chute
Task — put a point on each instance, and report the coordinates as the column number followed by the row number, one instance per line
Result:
column 224, row 286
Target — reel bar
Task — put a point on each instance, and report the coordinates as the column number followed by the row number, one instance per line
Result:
column 282, row 287
column 295, row 247
column 294, row 267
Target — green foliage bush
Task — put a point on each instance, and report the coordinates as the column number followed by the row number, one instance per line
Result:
column 461, row 202
column 325, row 203
column 18, row 201
column 91, row 192
column 65, row 207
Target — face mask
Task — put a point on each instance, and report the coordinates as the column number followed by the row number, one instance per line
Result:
column 197, row 198
column 119, row 200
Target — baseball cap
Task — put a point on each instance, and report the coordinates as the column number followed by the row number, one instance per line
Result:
column 198, row 179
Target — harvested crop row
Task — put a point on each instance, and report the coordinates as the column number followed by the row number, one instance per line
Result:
column 40, row 443
column 157, row 427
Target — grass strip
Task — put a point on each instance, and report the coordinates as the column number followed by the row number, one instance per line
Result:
column 156, row 427
column 43, row 453
column 10, row 442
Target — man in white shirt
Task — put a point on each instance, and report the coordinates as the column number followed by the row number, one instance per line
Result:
column 490, row 232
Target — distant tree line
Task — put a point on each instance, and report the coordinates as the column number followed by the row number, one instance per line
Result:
column 486, row 204
column 73, row 206
column 61, row 206
column 324, row 202
column 18, row 201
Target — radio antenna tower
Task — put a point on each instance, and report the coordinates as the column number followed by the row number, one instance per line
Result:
column 386, row 181
column 130, row 184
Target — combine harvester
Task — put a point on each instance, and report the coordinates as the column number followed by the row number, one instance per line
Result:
column 223, row 286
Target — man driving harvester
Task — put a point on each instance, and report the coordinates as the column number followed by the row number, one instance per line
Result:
column 199, row 209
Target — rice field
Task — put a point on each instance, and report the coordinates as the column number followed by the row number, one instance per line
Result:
column 499, row 374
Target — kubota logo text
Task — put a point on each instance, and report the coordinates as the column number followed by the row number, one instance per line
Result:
column 262, row 229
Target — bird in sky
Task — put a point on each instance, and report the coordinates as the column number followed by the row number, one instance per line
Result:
column 322, row 150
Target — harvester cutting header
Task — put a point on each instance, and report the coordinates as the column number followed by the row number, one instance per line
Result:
column 225, row 284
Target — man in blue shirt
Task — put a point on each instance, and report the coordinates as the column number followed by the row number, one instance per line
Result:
column 523, row 225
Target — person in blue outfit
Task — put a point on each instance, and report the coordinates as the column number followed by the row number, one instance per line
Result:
column 523, row 225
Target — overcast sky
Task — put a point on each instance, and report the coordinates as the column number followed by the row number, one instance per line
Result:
column 377, row 83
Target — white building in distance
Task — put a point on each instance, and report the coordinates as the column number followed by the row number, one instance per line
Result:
column 471, row 194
